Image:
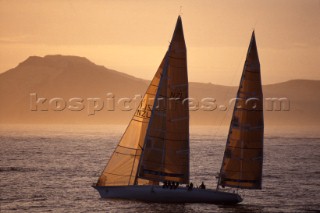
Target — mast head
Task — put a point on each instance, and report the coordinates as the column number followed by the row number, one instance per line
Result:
column 253, row 50
column 179, row 23
column 178, row 35
column 253, row 35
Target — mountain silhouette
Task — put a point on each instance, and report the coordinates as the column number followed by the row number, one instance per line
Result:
column 58, row 89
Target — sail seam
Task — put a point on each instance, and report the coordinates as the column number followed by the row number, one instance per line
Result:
column 167, row 139
column 118, row 174
column 128, row 147
column 166, row 163
column 126, row 154
column 184, row 58
column 176, row 66
column 138, row 120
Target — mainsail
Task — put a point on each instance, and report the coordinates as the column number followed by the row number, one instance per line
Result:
column 165, row 155
column 242, row 161
column 159, row 128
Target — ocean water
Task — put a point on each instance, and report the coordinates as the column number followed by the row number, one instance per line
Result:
column 52, row 168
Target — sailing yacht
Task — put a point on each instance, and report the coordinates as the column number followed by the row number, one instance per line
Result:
column 155, row 146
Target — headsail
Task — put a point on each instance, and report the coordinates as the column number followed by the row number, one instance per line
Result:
column 122, row 166
column 242, row 161
column 166, row 149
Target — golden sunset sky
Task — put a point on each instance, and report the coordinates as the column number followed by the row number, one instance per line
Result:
column 132, row 36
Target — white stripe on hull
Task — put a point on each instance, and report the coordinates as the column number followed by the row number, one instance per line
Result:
column 157, row 194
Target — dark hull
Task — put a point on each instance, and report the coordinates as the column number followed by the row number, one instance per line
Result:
column 156, row 194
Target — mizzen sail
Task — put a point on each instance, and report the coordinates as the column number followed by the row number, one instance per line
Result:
column 165, row 155
column 242, row 161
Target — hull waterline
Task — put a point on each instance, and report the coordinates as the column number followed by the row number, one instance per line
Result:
column 157, row 194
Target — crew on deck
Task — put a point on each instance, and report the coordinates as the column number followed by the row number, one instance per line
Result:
column 170, row 184
column 202, row 186
column 190, row 186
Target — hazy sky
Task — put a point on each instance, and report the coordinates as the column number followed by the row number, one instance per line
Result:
column 132, row 36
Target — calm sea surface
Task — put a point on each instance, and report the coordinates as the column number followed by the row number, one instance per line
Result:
column 52, row 168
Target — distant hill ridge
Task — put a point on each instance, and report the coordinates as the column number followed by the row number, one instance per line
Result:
column 56, row 60
column 67, row 77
